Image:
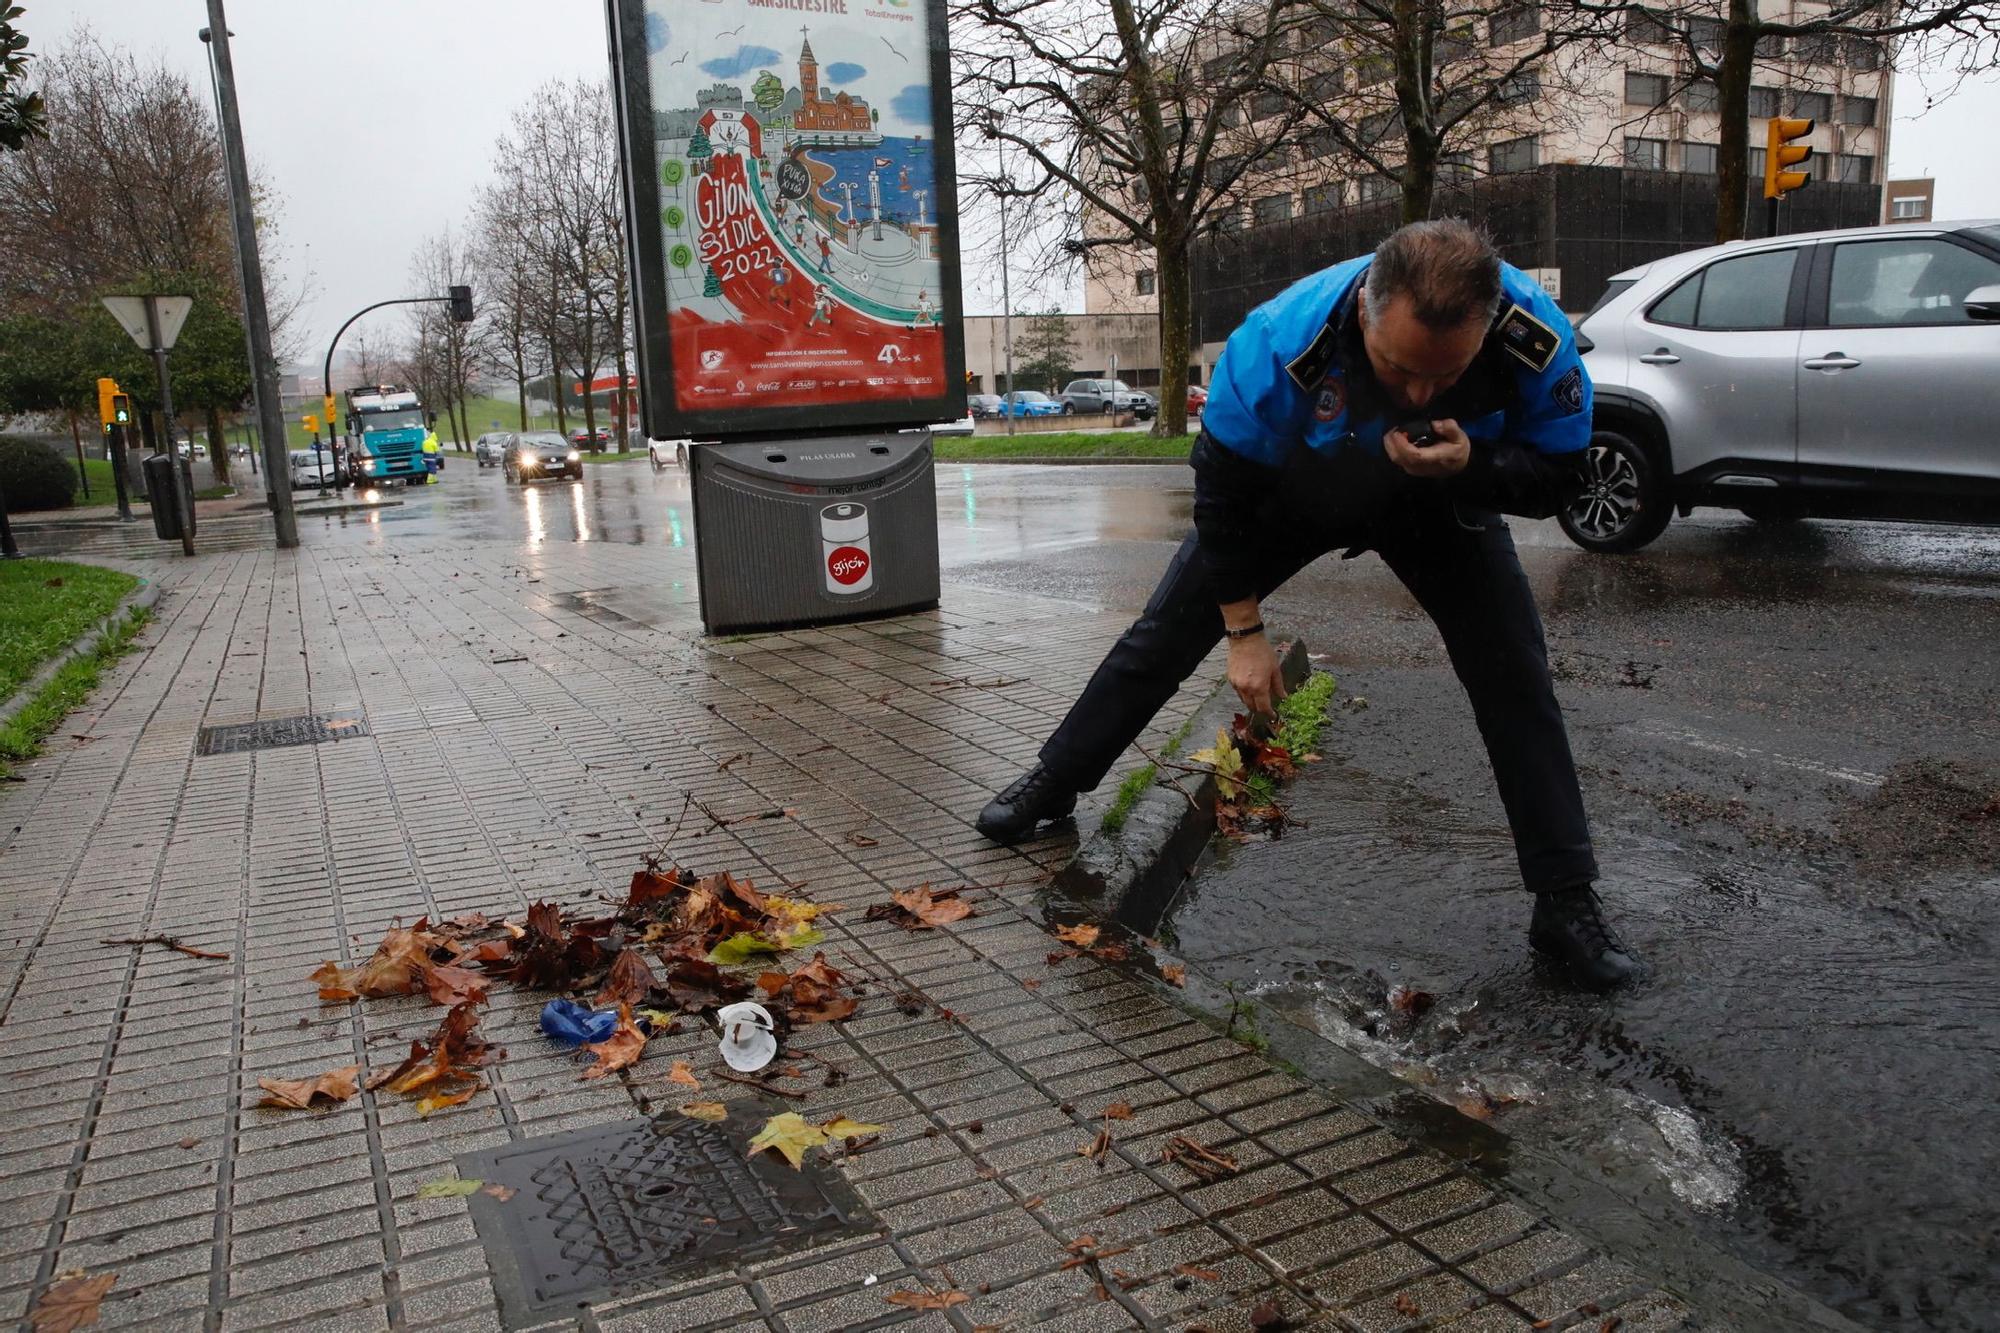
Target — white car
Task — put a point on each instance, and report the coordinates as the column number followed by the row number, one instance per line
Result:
column 962, row 426
column 663, row 452
column 310, row 468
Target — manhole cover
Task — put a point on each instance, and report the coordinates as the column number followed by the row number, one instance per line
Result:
column 272, row 733
column 643, row 1204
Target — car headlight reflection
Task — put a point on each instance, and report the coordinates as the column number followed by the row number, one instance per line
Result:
column 574, row 455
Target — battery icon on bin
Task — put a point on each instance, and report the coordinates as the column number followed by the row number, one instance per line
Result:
column 843, row 534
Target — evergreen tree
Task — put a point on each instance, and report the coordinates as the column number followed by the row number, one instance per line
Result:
column 700, row 151
column 710, row 284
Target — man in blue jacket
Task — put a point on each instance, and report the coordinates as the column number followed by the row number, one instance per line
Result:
column 1398, row 402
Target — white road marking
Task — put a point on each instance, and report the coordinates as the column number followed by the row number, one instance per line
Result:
column 1694, row 740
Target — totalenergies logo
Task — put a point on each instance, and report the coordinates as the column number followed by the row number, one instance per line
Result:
column 847, row 565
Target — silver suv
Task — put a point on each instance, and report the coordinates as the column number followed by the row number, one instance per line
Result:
column 1105, row 396
column 1849, row 374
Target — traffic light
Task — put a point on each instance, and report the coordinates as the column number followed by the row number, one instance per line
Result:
column 310, row 422
column 121, row 409
column 106, row 389
column 1781, row 154
column 461, row 301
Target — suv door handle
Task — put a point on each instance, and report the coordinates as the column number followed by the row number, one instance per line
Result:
column 1659, row 357
column 1832, row 361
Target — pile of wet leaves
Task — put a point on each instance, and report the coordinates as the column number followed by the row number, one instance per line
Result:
column 1927, row 815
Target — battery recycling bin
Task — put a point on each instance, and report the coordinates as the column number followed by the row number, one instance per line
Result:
column 157, row 470
column 808, row 532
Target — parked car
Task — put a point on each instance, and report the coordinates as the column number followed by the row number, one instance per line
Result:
column 663, row 452
column 310, row 468
column 582, row 438
column 1105, row 396
column 984, row 405
column 1197, row 399
column 540, row 453
column 1029, row 403
column 1851, row 374
column 488, row 449
column 963, row 426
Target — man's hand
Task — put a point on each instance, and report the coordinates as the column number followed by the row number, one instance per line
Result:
column 1254, row 671
column 1446, row 458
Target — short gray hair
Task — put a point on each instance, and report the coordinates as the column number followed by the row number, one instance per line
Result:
column 1448, row 269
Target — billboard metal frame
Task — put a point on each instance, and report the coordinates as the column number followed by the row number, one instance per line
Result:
column 632, row 95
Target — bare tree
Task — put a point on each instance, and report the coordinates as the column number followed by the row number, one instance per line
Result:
column 450, row 348
column 502, row 256
column 1126, row 112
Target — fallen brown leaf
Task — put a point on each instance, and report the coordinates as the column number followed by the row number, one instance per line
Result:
column 500, row 1192
column 1207, row 1164
column 1173, row 974
column 70, row 1303
column 630, row 981
column 190, row 1143
column 681, row 1074
column 1116, row 1111
column 618, row 1050
column 1205, row 1274
column 1083, row 937
column 927, row 1300
column 1097, row 1147
column 449, row 985
column 298, row 1094
column 709, row 1111
column 920, row 908
column 1406, row 1305
column 1268, row 1317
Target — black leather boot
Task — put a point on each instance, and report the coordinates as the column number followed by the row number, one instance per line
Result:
column 1569, row 928
column 1035, row 796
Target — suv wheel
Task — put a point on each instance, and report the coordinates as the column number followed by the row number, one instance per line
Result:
column 1069, row 408
column 1624, row 503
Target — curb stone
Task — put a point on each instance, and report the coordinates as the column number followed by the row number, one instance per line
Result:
column 141, row 598
column 1131, row 876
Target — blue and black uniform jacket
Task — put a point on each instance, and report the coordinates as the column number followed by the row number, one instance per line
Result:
column 1292, row 430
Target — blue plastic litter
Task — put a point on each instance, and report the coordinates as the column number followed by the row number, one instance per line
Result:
column 573, row 1024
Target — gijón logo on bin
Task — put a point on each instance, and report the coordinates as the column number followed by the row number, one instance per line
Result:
column 843, row 534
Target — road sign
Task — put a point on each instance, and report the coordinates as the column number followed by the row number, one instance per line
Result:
column 130, row 312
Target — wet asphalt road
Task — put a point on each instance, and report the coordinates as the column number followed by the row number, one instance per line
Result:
column 1788, row 738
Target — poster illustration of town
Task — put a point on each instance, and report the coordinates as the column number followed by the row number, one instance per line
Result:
column 797, row 200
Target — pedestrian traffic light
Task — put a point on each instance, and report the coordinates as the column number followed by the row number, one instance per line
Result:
column 121, row 409
column 1781, row 154
column 461, row 304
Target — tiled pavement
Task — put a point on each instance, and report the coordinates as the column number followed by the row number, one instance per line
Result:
column 128, row 1140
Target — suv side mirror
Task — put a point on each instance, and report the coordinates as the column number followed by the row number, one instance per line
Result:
column 1983, row 303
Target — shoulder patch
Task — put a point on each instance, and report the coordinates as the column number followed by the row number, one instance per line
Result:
column 1568, row 391
column 1527, row 339
column 1309, row 367
column 1331, row 403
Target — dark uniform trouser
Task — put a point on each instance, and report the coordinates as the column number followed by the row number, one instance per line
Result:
column 1468, row 578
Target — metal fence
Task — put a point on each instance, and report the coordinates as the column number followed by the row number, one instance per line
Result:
column 1590, row 222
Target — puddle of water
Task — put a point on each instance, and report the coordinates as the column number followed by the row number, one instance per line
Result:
column 1808, row 1075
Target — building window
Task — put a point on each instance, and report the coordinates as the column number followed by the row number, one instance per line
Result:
column 1646, row 28
column 1854, row 168
column 1223, row 171
column 1322, row 198
column 1219, row 68
column 1517, row 89
column 1513, row 155
column 1771, row 47
column 1763, row 102
column 1755, row 164
column 1646, row 154
column 1319, row 142
column 1382, row 126
column 1142, row 282
column 1232, row 115
column 1324, row 86
column 1372, row 69
column 1645, row 89
column 1268, row 104
column 1707, row 33
column 1864, row 54
column 1907, row 210
column 1456, row 44
column 1456, row 169
column 1271, row 208
column 1514, row 25
column 1378, row 187
column 1857, row 111
column 1817, row 48
column 1698, row 159
column 1813, row 106
column 1228, row 218
column 1701, row 95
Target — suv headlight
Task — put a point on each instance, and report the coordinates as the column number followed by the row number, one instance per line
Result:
column 574, row 455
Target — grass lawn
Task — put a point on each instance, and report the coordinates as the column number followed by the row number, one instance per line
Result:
column 1067, row 444
column 44, row 605
column 635, row 456
column 103, row 490
column 22, row 737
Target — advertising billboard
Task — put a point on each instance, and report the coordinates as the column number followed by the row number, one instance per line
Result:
column 790, row 192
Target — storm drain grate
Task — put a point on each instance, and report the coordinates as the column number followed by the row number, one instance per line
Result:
column 272, row 733
column 643, row 1204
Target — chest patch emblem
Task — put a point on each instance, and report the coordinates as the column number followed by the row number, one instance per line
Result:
column 1332, row 401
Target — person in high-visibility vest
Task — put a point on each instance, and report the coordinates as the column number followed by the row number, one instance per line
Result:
column 433, row 460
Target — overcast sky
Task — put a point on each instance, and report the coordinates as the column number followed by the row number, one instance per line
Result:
column 375, row 121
